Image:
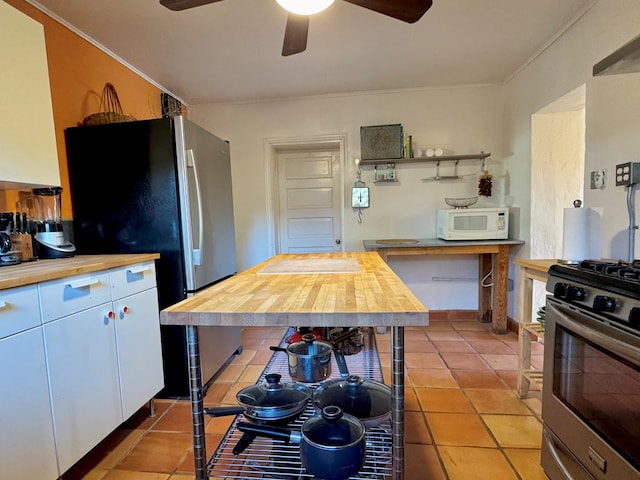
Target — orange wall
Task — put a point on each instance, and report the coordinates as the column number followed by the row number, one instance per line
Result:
column 77, row 72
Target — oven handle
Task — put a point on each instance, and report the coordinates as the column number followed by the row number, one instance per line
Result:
column 551, row 448
column 596, row 332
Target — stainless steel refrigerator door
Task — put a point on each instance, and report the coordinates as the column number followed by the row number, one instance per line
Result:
column 206, row 200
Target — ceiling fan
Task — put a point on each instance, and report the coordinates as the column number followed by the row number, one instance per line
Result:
column 296, row 31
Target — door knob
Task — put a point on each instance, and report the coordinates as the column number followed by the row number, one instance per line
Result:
column 338, row 242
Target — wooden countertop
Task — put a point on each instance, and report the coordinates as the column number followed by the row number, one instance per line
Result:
column 328, row 291
column 436, row 246
column 538, row 265
column 51, row 269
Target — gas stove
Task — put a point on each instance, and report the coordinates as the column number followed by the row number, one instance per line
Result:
column 606, row 289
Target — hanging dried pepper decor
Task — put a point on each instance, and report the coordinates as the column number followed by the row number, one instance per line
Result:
column 485, row 184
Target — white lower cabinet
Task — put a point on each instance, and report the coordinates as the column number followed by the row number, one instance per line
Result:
column 102, row 338
column 27, row 449
column 83, row 372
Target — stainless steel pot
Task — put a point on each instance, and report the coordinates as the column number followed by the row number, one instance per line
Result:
column 309, row 359
column 332, row 444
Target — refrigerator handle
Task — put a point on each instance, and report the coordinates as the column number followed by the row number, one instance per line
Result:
column 192, row 163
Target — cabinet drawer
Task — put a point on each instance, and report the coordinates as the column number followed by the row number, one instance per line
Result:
column 19, row 310
column 132, row 279
column 65, row 296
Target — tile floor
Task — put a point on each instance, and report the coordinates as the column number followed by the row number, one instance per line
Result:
column 463, row 420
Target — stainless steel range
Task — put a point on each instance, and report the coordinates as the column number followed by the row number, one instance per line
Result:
column 591, row 395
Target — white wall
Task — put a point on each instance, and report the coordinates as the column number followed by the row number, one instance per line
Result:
column 495, row 119
column 612, row 113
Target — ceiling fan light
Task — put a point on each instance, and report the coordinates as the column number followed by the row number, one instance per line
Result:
column 304, row 7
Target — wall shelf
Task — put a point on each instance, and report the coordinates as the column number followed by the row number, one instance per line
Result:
column 442, row 158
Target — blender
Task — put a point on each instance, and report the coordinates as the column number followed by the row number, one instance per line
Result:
column 50, row 239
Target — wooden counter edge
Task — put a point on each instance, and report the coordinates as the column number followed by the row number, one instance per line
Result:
column 51, row 269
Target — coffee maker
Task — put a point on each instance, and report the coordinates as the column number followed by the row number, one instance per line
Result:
column 49, row 238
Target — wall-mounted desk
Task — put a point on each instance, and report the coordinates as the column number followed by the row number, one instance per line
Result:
column 493, row 256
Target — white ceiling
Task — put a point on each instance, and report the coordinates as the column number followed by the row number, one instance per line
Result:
column 231, row 50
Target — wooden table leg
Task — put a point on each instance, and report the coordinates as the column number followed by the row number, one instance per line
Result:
column 500, row 290
column 197, row 413
column 484, row 293
column 397, row 402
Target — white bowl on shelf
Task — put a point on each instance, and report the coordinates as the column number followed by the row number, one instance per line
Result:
column 461, row 202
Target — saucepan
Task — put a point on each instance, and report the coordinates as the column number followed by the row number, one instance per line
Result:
column 332, row 444
column 309, row 359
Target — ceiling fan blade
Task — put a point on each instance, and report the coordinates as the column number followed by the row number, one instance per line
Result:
column 177, row 5
column 295, row 34
column 409, row 11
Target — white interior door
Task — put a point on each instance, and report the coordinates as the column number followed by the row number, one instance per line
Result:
column 309, row 200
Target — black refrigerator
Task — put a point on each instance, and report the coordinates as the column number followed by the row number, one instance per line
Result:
column 160, row 186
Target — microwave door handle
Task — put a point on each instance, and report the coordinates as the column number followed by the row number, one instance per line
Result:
column 197, row 260
column 623, row 349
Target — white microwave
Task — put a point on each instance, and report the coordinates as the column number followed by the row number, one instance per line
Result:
column 490, row 223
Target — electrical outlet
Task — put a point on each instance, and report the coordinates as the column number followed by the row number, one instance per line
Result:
column 598, row 179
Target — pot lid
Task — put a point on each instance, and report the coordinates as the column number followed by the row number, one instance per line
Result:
column 272, row 393
column 309, row 346
column 333, row 428
column 357, row 396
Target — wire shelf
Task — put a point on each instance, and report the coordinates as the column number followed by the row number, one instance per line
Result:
column 265, row 458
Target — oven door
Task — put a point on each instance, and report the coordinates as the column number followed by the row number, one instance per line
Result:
column 591, row 397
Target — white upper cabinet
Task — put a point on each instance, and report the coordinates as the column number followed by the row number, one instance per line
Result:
column 27, row 134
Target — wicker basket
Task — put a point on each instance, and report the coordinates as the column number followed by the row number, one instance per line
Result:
column 110, row 110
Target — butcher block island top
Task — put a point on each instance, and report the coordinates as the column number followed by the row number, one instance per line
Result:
column 51, row 269
column 320, row 289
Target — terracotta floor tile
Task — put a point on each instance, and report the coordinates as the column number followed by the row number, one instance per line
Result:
column 244, row 358
column 421, row 463
column 251, row 373
column 463, row 361
column 468, row 325
column 515, row 431
column 216, row 393
column 443, row 400
column 431, row 377
column 411, row 403
column 471, row 335
column 230, row 397
column 453, row 346
column 261, row 357
column 501, row 362
column 534, row 402
column 176, row 419
column 464, row 463
column 219, row 425
column 449, row 334
column 491, row 346
column 477, row 379
column 419, row 346
column 459, row 429
column 257, row 332
column 416, row 430
column 188, row 465
column 423, row 360
column 127, row 475
column 496, row 401
column 231, row 373
column 142, row 420
column 526, row 463
column 509, row 377
column 158, row 452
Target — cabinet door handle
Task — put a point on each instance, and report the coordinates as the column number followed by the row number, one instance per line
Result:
column 138, row 269
column 82, row 283
column 3, row 304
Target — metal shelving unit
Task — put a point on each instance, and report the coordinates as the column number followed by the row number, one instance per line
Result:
column 273, row 459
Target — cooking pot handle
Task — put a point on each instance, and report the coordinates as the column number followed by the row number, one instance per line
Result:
column 223, row 411
column 243, row 443
column 342, row 363
column 278, row 349
column 289, row 436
